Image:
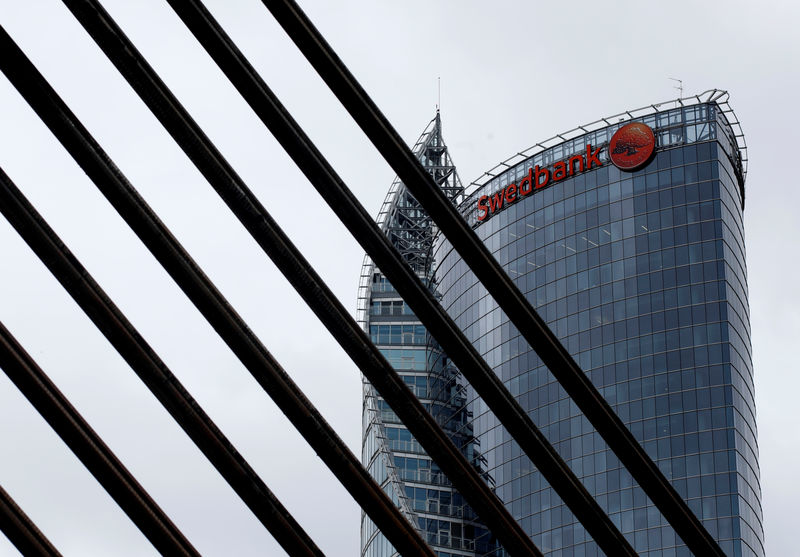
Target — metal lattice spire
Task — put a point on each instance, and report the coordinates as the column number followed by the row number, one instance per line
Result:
column 387, row 444
column 409, row 226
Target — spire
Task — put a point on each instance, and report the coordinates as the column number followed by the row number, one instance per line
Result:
column 408, row 225
column 419, row 360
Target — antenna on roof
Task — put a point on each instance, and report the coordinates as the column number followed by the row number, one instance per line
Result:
column 439, row 97
column 679, row 86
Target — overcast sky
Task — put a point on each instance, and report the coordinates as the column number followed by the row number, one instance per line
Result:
column 512, row 74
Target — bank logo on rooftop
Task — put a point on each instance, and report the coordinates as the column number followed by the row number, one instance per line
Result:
column 631, row 146
column 537, row 179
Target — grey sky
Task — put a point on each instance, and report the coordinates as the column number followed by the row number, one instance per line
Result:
column 512, row 74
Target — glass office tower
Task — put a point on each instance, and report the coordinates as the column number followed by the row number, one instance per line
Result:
column 637, row 264
column 642, row 276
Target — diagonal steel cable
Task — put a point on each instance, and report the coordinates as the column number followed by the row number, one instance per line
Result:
column 155, row 94
column 21, row 531
column 215, row 308
column 130, row 344
column 340, row 198
column 83, row 440
column 247, row 208
column 519, row 311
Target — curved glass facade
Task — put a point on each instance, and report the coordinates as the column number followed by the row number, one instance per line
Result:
column 642, row 276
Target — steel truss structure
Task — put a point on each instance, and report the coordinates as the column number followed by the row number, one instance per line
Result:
column 442, row 517
column 423, row 197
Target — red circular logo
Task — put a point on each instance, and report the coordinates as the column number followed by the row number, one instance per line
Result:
column 631, row 146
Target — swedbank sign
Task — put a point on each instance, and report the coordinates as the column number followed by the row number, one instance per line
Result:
column 537, row 178
column 631, row 147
